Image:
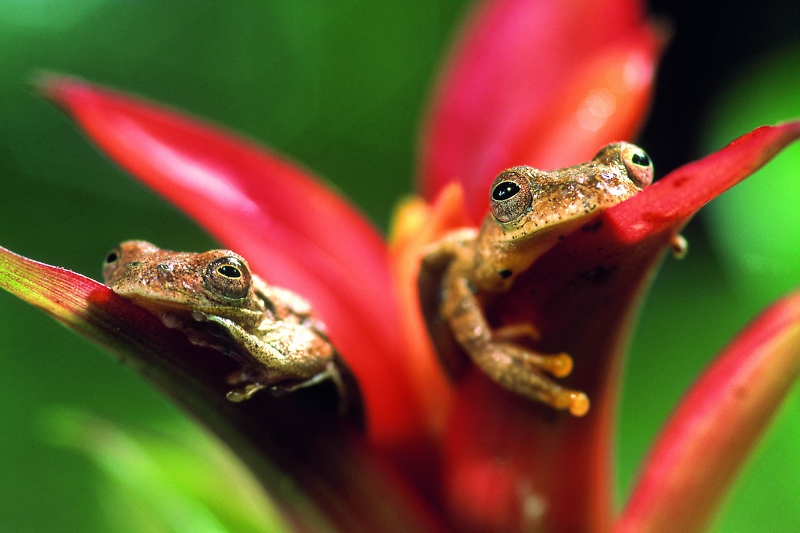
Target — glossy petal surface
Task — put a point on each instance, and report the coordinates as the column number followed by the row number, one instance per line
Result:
column 294, row 231
column 536, row 83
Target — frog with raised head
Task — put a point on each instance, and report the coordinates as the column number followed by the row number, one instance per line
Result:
column 218, row 302
column 531, row 210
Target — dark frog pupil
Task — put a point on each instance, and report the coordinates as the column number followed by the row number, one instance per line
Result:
column 230, row 271
column 641, row 160
column 505, row 190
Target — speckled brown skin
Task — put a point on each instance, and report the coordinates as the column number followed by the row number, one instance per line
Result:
column 530, row 211
column 270, row 330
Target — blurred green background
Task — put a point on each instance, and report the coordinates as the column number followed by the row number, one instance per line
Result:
column 341, row 87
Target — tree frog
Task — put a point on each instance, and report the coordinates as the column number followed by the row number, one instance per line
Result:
column 530, row 211
column 218, row 302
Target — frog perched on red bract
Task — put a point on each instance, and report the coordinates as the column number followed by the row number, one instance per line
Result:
column 468, row 454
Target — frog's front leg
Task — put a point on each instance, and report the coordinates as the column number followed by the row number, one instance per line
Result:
column 283, row 352
column 516, row 368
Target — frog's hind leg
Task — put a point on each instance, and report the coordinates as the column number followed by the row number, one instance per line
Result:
column 516, row 368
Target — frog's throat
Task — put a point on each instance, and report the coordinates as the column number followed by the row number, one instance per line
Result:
column 502, row 256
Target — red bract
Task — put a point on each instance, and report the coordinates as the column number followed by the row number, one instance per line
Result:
column 716, row 426
column 581, row 295
column 293, row 230
column 529, row 83
column 536, row 83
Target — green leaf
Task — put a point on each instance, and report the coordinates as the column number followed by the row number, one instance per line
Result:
column 180, row 479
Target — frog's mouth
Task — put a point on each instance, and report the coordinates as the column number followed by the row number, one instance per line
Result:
column 179, row 309
column 200, row 331
column 155, row 305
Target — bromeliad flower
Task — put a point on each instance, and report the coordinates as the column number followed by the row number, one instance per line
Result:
column 441, row 454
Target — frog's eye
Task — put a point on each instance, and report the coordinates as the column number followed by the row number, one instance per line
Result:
column 638, row 164
column 511, row 196
column 110, row 263
column 229, row 277
column 229, row 271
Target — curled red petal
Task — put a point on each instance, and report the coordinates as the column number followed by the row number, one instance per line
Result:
column 338, row 482
column 667, row 205
column 294, row 231
column 716, row 426
column 537, row 83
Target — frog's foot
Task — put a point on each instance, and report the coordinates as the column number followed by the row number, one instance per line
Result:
column 247, row 381
column 558, row 365
column 245, row 393
column 679, row 246
column 523, row 371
